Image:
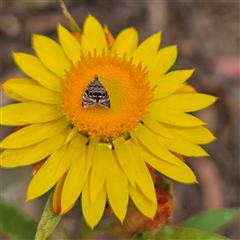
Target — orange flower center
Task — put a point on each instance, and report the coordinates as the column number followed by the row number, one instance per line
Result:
column 128, row 89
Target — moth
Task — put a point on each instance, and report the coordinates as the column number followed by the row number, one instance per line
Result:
column 95, row 94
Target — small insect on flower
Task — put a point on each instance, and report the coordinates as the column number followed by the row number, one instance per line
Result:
column 95, row 94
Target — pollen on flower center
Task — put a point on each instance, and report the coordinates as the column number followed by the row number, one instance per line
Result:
column 127, row 86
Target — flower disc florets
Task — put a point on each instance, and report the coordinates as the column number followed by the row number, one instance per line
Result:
column 128, row 89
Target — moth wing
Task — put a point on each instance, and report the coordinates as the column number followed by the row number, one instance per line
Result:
column 105, row 101
column 95, row 94
column 88, row 101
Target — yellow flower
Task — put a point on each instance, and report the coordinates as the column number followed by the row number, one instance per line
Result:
column 98, row 152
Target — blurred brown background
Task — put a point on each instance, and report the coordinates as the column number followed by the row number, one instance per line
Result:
column 207, row 34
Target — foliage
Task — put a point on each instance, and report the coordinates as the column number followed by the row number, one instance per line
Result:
column 15, row 224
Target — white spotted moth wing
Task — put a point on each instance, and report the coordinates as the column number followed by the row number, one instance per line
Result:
column 95, row 94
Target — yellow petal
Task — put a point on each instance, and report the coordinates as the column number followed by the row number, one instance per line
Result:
column 51, row 55
column 14, row 95
column 173, row 117
column 186, row 89
column 154, row 145
column 181, row 145
column 157, row 127
column 98, row 172
column 126, row 42
column 33, row 92
column 55, row 166
column 109, row 37
column 48, row 174
column 75, row 180
column 94, row 34
column 188, row 102
column 71, row 134
column 173, row 77
column 33, row 67
column 91, row 149
column 117, row 188
column 164, row 90
column 163, row 61
column 93, row 212
column 86, row 46
column 145, row 206
column 34, row 133
column 147, row 49
column 45, row 148
column 179, row 172
column 69, row 43
column 199, row 135
column 143, row 177
column 57, row 195
column 135, row 139
column 29, row 90
column 34, row 153
column 124, row 159
column 11, row 158
column 29, row 112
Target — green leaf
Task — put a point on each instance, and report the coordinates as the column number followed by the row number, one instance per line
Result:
column 211, row 220
column 48, row 221
column 14, row 223
column 170, row 233
column 145, row 235
column 70, row 20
